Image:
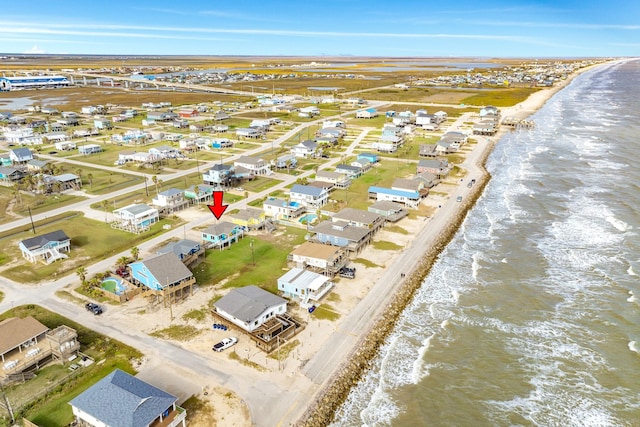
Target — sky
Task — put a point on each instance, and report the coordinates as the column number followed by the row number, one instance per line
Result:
column 400, row 28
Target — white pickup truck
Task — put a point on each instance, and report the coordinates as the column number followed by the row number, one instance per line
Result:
column 225, row 343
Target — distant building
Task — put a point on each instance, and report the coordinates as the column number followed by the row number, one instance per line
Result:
column 32, row 82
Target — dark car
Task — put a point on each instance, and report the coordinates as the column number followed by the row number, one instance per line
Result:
column 347, row 272
column 94, row 308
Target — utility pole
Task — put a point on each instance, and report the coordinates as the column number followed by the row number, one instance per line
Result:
column 33, row 227
column 7, row 404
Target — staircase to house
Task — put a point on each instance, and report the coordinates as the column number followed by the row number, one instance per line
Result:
column 269, row 225
column 54, row 254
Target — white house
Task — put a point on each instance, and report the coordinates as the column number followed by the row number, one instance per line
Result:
column 22, row 136
column 304, row 285
column 309, row 196
column 369, row 113
column 255, row 165
column 170, row 200
column 86, row 149
column 136, row 217
column 306, row 149
column 249, row 132
column 20, row 155
column 48, row 247
column 249, row 307
column 339, row 180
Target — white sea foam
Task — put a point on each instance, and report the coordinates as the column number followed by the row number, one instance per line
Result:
column 632, row 298
column 630, row 271
column 633, row 346
column 418, row 372
column 618, row 224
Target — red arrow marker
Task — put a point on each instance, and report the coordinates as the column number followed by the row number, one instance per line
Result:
column 217, row 209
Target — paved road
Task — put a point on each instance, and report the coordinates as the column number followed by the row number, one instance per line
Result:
column 279, row 401
column 268, row 400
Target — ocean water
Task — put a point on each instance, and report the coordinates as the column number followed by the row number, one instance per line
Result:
column 531, row 317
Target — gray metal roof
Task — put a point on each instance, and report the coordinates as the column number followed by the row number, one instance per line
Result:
column 349, row 232
column 307, row 190
column 22, row 152
column 223, row 227
column 356, row 215
column 167, row 268
column 171, row 192
column 136, row 209
column 40, row 241
column 122, row 400
column 181, row 247
column 248, row 303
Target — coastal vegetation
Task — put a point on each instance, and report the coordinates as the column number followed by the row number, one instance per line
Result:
column 105, row 242
column 177, row 332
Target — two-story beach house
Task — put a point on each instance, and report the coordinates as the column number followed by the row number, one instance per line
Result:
column 304, row 285
column 169, row 201
column 135, row 217
column 282, row 209
column 309, row 196
column 318, row 257
column 160, row 273
column 256, row 165
column 221, row 234
column 220, row 175
column 26, row 345
column 46, row 247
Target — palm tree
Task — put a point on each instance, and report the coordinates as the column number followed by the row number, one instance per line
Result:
column 82, row 274
column 105, row 205
column 122, row 262
column 15, row 192
column 79, row 173
column 196, row 190
column 90, row 178
column 154, row 178
column 135, row 252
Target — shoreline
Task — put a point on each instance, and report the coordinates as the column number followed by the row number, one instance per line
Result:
column 332, row 394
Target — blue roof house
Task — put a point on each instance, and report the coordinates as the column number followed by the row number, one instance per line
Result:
column 408, row 198
column 372, row 157
column 122, row 400
column 163, row 271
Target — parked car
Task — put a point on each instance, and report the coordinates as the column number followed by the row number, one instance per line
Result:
column 94, row 308
column 225, row 344
column 347, row 272
column 122, row 272
column 459, row 199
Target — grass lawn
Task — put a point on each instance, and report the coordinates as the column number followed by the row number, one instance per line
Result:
column 42, row 203
column 357, row 195
column 51, row 409
column 260, row 184
column 236, row 263
column 506, row 97
column 90, row 241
